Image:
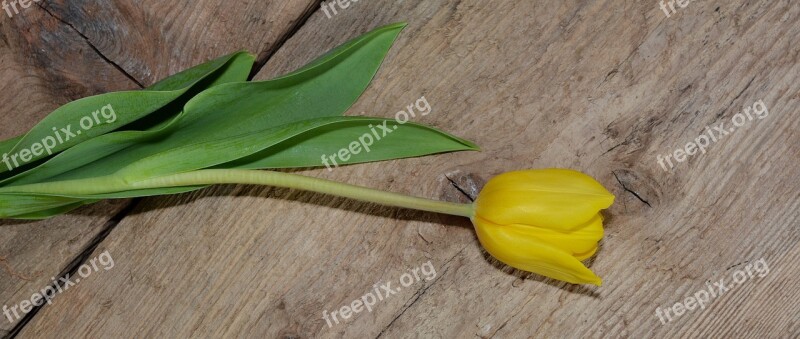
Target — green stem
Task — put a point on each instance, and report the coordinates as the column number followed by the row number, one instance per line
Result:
column 110, row 184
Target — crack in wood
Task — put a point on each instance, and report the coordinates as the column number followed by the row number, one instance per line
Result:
column 72, row 268
column 421, row 292
column 630, row 191
column 92, row 46
column 459, row 188
column 266, row 55
column 734, row 99
column 615, row 146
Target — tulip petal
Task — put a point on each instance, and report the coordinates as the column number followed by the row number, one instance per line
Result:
column 532, row 255
column 579, row 241
column 586, row 255
column 559, row 199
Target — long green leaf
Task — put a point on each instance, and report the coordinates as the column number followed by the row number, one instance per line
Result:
column 290, row 121
column 14, row 205
column 326, row 89
column 89, row 117
column 249, row 147
column 87, row 152
column 253, row 150
column 44, row 214
column 365, row 137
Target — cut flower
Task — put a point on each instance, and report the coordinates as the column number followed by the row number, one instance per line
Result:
column 543, row 221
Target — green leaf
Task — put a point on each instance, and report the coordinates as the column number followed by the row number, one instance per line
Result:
column 42, row 206
column 326, row 88
column 9, row 144
column 253, row 150
column 290, row 121
column 13, row 205
column 255, row 145
column 87, row 152
column 44, row 214
column 371, row 142
column 89, row 117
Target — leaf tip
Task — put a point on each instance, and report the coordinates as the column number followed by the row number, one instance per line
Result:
column 471, row 145
column 400, row 24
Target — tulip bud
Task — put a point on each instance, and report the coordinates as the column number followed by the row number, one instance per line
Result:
column 543, row 221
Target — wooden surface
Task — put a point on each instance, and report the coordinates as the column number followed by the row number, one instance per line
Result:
column 603, row 87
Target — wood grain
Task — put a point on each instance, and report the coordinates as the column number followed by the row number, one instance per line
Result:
column 36, row 78
column 152, row 39
column 53, row 54
column 603, row 87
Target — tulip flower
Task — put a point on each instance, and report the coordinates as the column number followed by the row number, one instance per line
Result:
column 543, row 221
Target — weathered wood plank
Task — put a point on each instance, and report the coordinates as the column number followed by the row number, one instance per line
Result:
column 563, row 85
column 597, row 86
column 44, row 64
column 152, row 39
column 64, row 51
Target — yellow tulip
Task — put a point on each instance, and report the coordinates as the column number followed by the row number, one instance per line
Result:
column 543, row 221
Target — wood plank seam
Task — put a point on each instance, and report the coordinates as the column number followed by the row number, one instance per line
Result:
column 72, row 268
column 264, row 56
